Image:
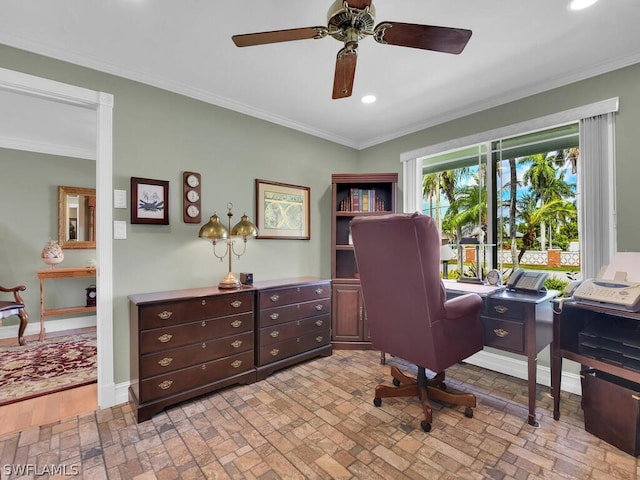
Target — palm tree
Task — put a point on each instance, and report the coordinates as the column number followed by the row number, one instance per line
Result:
column 535, row 216
column 541, row 177
column 431, row 188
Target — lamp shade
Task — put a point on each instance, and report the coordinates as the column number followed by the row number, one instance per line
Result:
column 446, row 252
column 244, row 228
column 213, row 230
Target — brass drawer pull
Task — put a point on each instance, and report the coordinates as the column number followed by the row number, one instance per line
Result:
column 236, row 364
column 165, row 315
column 204, row 366
column 204, row 302
column 166, row 384
column 319, row 307
column 274, row 352
column 204, row 324
column 274, row 334
column 165, row 362
column 236, row 303
column 500, row 332
column 319, row 339
column 319, row 291
column 204, row 345
column 274, row 316
column 236, row 323
column 274, row 298
column 501, row 308
column 165, row 338
column 319, row 323
column 236, row 344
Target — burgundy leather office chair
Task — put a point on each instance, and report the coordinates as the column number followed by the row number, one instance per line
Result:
column 16, row 307
column 398, row 257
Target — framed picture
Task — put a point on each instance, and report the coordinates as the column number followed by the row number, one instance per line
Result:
column 149, row 201
column 282, row 211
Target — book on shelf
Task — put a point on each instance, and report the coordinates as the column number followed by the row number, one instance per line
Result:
column 364, row 200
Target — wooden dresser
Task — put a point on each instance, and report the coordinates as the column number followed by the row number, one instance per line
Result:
column 186, row 343
column 189, row 342
column 293, row 323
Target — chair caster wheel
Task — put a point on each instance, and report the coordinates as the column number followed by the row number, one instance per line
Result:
column 468, row 412
column 396, row 382
column 377, row 401
column 426, row 426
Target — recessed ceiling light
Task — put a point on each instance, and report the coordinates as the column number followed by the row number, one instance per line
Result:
column 368, row 99
column 580, row 4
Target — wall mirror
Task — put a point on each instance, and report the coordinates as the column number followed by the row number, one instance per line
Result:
column 76, row 217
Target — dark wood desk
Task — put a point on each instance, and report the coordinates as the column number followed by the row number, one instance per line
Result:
column 597, row 337
column 515, row 322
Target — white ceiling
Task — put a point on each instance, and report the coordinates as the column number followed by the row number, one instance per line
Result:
column 518, row 48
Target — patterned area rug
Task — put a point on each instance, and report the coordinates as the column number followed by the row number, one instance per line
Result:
column 45, row 367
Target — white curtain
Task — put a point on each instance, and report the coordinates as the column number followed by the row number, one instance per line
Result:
column 412, row 186
column 596, row 193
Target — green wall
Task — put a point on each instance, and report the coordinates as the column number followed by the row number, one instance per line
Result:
column 158, row 135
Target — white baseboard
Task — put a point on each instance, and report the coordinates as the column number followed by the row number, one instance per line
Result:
column 58, row 325
column 514, row 367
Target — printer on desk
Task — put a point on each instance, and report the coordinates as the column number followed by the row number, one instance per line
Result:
column 613, row 288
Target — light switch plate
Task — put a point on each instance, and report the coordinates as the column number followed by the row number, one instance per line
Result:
column 119, row 199
column 119, row 230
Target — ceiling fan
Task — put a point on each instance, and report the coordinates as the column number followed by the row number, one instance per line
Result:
column 350, row 21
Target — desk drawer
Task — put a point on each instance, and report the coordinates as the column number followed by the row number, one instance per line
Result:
column 283, row 296
column 185, row 379
column 287, row 313
column 175, row 313
column 170, row 337
column 503, row 334
column 293, row 346
column 506, row 309
column 278, row 333
column 181, row 357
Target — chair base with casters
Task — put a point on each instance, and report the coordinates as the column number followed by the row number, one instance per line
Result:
column 424, row 388
column 9, row 308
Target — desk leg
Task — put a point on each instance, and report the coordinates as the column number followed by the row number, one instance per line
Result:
column 532, row 365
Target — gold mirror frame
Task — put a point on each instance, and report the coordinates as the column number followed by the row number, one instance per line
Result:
column 84, row 221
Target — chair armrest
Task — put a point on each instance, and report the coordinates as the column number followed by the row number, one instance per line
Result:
column 14, row 290
column 463, row 306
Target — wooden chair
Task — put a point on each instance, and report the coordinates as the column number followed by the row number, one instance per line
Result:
column 398, row 259
column 16, row 307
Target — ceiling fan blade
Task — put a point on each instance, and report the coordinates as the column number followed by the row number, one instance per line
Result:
column 426, row 37
column 359, row 4
column 345, row 73
column 261, row 38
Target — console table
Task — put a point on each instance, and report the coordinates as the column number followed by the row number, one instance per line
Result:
column 602, row 338
column 56, row 274
column 516, row 322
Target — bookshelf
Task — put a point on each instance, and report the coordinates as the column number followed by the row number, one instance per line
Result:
column 353, row 194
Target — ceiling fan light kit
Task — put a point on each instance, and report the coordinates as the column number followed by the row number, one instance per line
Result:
column 352, row 20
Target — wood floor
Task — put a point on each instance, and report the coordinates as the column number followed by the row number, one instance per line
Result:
column 46, row 409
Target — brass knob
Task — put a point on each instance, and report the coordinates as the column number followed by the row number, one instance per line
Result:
column 165, row 338
column 165, row 315
column 166, row 384
column 236, row 303
column 165, row 362
column 274, row 298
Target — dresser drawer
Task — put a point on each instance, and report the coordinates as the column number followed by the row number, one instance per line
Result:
column 503, row 334
column 292, row 346
column 282, row 296
column 196, row 376
column 174, row 313
column 195, row 332
column 506, row 309
column 177, row 358
column 283, row 331
column 274, row 316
